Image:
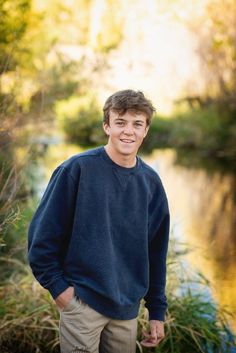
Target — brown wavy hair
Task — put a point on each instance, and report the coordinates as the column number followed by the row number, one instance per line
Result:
column 125, row 100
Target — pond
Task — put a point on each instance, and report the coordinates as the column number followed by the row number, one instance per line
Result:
column 203, row 214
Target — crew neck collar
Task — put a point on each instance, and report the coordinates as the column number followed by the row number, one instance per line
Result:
column 108, row 159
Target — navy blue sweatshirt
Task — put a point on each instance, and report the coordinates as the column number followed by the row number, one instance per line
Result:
column 103, row 229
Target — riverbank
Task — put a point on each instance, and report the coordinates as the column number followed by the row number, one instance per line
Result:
column 207, row 132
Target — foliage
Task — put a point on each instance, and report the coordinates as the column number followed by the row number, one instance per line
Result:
column 159, row 134
column 206, row 130
column 218, row 51
column 194, row 323
column 208, row 124
column 8, row 209
column 80, row 119
column 23, row 47
column 110, row 32
column 8, row 186
column 42, row 63
column 14, row 22
column 29, row 318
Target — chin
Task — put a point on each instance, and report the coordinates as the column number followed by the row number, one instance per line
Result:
column 128, row 152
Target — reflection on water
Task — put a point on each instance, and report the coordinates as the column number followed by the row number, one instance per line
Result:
column 203, row 209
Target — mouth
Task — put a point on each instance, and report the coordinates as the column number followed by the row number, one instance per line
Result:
column 126, row 141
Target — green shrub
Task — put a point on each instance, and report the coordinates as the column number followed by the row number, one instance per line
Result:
column 9, row 185
column 81, row 120
column 28, row 317
column 198, row 129
column 194, row 323
column 206, row 130
column 158, row 134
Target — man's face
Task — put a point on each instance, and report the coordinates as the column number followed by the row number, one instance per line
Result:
column 126, row 132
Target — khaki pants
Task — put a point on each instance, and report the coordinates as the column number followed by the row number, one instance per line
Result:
column 82, row 329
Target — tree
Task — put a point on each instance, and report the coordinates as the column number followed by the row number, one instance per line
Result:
column 217, row 48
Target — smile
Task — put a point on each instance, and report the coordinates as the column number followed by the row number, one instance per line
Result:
column 126, row 141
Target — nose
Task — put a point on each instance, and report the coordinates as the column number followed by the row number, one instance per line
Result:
column 128, row 129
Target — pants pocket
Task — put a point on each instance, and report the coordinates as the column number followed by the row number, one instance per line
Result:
column 68, row 305
column 75, row 306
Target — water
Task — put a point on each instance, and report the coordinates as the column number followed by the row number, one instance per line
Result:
column 203, row 214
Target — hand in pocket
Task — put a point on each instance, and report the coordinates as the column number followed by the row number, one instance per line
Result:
column 64, row 298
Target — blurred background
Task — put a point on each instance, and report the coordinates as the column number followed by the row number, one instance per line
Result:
column 60, row 60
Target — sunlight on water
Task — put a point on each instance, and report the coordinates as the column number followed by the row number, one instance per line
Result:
column 203, row 214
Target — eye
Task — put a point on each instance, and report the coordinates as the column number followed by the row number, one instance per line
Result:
column 138, row 124
column 119, row 123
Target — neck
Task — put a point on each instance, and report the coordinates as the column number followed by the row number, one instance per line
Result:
column 126, row 161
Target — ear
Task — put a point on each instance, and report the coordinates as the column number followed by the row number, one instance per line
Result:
column 106, row 129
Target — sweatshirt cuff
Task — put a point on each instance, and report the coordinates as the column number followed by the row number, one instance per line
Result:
column 57, row 287
column 157, row 314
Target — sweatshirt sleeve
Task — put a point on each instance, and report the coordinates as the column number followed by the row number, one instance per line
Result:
column 50, row 231
column 155, row 299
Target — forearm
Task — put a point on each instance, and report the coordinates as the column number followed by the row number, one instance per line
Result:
column 50, row 231
column 156, row 302
column 155, row 298
column 46, row 267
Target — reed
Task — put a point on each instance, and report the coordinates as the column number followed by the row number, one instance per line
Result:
column 194, row 323
column 28, row 317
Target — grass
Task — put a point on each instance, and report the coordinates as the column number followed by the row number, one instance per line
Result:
column 29, row 318
column 194, row 323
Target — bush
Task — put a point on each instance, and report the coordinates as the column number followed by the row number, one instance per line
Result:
column 28, row 317
column 205, row 130
column 200, row 129
column 158, row 135
column 194, row 323
column 81, row 120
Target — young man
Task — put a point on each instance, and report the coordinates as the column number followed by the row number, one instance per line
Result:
column 98, row 240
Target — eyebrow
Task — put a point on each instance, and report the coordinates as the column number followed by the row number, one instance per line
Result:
column 136, row 121
column 139, row 121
